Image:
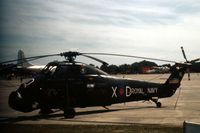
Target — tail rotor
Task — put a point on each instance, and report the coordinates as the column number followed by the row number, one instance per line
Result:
column 188, row 69
column 184, row 54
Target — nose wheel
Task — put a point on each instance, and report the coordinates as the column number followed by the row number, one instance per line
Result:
column 69, row 113
column 45, row 111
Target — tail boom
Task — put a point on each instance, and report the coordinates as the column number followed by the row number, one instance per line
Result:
column 174, row 81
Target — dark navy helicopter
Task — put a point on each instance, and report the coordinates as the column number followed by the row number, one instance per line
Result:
column 69, row 84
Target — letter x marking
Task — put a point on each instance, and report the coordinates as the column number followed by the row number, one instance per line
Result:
column 114, row 91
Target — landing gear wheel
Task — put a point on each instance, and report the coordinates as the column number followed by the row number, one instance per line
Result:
column 69, row 113
column 158, row 104
column 45, row 111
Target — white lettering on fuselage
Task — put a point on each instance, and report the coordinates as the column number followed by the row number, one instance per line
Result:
column 128, row 91
column 114, row 91
column 152, row 90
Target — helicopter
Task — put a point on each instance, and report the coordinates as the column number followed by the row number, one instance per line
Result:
column 68, row 84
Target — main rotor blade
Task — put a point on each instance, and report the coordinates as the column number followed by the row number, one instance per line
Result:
column 195, row 60
column 15, row 65
column 101, row 61
column 30, row 58
column 184, row 53
column 131, row 56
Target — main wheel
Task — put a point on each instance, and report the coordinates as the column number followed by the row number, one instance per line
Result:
column 69, row 113
column 45, row 111
column 158, row 104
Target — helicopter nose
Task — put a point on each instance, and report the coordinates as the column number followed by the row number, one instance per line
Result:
column 17, row 102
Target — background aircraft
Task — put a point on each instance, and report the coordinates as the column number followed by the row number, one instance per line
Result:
column 24, row 65
column 21, row 69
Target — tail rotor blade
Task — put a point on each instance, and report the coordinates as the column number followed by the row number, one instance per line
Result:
column 184, row 53
column 177, row 98
column 188, row 70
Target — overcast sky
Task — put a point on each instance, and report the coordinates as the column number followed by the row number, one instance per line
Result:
column 152, row 28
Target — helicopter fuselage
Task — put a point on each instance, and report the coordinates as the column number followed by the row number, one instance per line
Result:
column 69, row 85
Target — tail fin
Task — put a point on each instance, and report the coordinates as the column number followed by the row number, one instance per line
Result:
column 22, row 62
column 176, row 76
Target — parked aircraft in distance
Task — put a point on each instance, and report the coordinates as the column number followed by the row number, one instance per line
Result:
column 24, row 66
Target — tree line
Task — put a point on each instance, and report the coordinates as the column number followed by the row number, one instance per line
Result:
column 137, row 67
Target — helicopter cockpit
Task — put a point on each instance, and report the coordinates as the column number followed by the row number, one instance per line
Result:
column 60, row 70
column 49, row 69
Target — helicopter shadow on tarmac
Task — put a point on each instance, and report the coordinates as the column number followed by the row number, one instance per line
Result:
column 58, row 115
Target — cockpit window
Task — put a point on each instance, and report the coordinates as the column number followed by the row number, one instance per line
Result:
column 64, row 71
column 29, row 82
column 52, row 69
column 49, row 69
column 92, row 70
